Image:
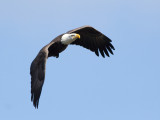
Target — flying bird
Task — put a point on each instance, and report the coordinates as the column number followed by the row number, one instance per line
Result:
column 85, row 36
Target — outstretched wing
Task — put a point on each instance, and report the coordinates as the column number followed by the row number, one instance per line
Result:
column 38, row 67
column 93, row 40
column 37, row 71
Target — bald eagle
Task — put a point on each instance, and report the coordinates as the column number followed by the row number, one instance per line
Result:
column 85, row 36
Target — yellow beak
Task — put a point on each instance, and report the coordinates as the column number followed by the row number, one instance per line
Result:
column 77, row 36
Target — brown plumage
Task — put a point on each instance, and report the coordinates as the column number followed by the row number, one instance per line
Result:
column 90, row 38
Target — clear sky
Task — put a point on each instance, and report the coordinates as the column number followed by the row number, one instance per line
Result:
column 79, row 85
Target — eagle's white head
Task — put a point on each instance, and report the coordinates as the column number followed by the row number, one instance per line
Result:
column 69, row 38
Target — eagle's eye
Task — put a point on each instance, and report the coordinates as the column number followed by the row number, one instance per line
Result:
column 72, row 35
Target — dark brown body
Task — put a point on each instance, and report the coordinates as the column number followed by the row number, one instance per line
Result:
column 54, row 47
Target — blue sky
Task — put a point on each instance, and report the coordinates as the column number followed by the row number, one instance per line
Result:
column 79, row 85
